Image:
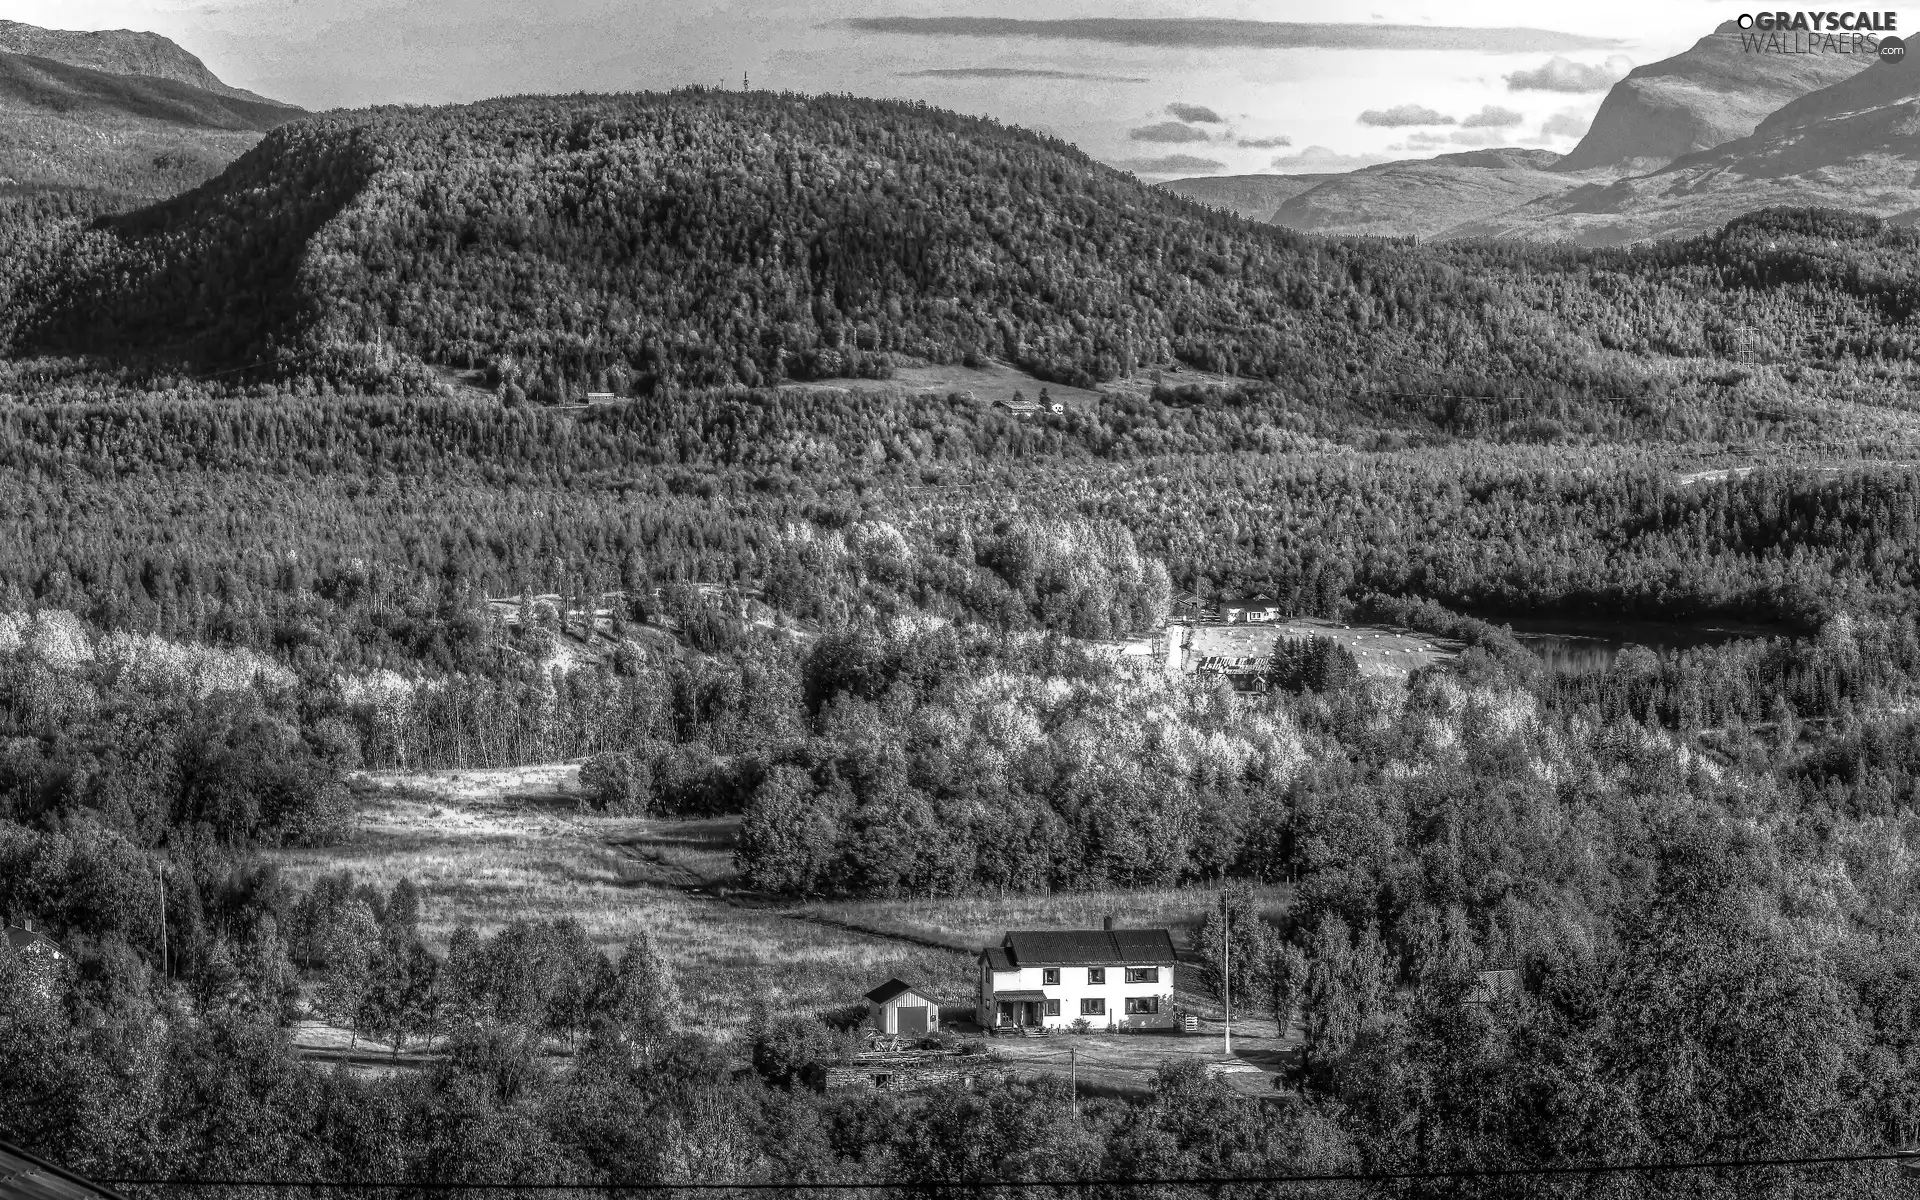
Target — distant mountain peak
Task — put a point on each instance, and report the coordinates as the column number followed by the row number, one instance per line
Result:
column 1716, row 91
column 118, row 52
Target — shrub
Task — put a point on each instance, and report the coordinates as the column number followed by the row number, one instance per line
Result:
column 613, row 782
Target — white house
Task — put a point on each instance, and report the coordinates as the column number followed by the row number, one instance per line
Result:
column 1111, row 978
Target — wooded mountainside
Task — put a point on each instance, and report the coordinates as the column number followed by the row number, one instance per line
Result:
column 695, row 239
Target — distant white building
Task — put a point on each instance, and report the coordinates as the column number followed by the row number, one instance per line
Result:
column 1110, row 978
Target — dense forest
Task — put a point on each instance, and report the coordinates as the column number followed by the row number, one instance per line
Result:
column 1694, row 862
column 221, row 608
column 290, row 496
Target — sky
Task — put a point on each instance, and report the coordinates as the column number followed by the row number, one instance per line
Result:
column 1161, row 87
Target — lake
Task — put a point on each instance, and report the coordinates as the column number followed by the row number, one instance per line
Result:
column 1588, row 645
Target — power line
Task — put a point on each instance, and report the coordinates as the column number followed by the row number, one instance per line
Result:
column 910, row 1185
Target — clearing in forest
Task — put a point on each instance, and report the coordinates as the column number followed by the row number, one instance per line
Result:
column 1383, row 651
column 491, row 846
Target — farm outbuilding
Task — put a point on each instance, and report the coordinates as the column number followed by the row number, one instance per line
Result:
column 900, row 1009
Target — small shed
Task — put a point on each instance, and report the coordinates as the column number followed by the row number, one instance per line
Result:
column 900, row 1009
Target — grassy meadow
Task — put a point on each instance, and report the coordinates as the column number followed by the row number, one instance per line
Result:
column 491, row 846
column 970, row 922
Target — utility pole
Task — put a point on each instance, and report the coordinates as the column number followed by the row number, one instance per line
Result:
column 165, row 971
column 1226, row 970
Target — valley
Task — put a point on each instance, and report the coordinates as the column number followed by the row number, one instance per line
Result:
column 541, row 639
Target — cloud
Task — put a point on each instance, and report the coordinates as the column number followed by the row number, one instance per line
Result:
column 1168, row 131
column 1196, row 112
column 1014, row 73
column 1172, row 164
column 1266, row 143
column 1401, row 115
column 1318, row 159
column 1492, row 117
column 1210, row 33
column 1420, row 139
column 1559, row 74
column 1568, row 122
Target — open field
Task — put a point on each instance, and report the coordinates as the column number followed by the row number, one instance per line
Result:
column 490, row 847
column 1382, row 651
column 989, row 382
column 994, row 380
column 970, row 922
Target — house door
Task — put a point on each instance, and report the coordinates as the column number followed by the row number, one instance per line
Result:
column 1033, row 1013
column 913, row 1020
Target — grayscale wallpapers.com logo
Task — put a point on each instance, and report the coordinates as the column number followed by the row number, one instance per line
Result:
column 1866, row 33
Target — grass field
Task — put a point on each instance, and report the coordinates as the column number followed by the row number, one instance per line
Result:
column 970, row 922
column 492, row 846
column 1381, row 651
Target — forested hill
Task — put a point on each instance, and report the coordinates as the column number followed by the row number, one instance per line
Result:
column 702, row 238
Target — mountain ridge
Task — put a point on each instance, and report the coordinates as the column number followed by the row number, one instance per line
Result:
column 1711, row 93
column 67, row 127
column 651, row 243
column 1853, row 145
column 120, row 52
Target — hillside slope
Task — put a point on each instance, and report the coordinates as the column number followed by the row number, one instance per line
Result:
column 1423, row 196
column 1713, row 92
column 69, row 127
column 117, row 52
column 1251, row 196
column 651, row 242
column 1854, row 145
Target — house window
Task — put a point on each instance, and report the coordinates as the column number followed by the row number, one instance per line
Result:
column 1093, row 1008
column 1053, row 1008
column 1096, row 975
column 1143, row 974
column 1050, row 977
column 1142, row 1006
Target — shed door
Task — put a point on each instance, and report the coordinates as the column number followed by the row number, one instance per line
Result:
column 912, row 1020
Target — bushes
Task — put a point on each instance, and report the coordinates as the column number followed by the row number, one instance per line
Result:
column 612, row 782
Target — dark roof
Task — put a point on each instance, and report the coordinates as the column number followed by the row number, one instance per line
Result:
column 997, row 959
column 1089, row 947
column 892, row 988
column 1018, row 996
column 19, row 939
column 24, row 1177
